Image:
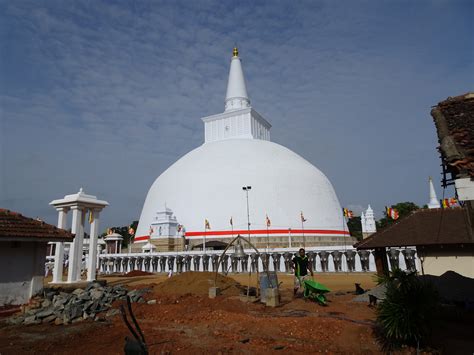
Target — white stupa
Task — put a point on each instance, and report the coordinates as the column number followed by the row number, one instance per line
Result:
column 206, row 183
column 434, row 202
column 367, row 220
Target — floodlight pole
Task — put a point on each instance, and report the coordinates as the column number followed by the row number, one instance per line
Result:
column 246, row 189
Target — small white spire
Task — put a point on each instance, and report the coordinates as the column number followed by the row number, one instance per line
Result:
column 434, row 202
column 236, row 97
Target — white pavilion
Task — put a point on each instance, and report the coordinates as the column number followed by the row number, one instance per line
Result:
column 207, row 184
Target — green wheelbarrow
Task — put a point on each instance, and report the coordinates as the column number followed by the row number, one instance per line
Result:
column 315, row 291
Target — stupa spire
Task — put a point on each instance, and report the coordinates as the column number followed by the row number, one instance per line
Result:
column 236, row 97
column 434, row 202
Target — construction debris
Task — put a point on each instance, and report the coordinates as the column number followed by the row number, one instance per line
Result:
column 65, row 308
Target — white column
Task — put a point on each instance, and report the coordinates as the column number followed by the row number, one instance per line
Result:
column 59, row 252
column 80, row 249
column 92, row 261
column 75, row 229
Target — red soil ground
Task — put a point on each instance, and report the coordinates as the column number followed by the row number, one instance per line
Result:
column 185, row 322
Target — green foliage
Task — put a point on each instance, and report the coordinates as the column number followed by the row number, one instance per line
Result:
column 406, row 315
column 355, row 227
column 403, row 208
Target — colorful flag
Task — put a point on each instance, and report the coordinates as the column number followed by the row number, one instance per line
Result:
column 448, row 202
column 180, row 227
column 206, row 224
column 302, row 217
column 131, row 231
column 347, row 213
column 392, row 213
column 151, row 231
column 91, row 216
column 267, row 220
column 110, row 230
column 231, row 222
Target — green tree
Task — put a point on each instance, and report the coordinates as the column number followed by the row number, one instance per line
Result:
column 355, row 227
column 404, row 209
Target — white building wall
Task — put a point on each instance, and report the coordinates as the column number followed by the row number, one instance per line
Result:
column 22, row 266
column 437, row 262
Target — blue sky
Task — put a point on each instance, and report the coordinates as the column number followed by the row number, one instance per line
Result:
column 106, row 95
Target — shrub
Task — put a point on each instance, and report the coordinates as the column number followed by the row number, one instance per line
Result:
column 405, row 316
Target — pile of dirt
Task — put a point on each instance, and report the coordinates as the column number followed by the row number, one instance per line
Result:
column 197, row 283
column 452, row 287
column 135, row 273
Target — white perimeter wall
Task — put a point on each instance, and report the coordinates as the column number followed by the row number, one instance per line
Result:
column 21, row 271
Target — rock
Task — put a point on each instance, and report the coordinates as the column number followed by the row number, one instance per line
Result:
column 112, row 312
column 78, row 291
column 65, row 295
column 151, row 302
column 58, row 321
column 92, row 285
column 46, row 303
column 49, row 295
column 31, row 320
column 16, row 320
column 32, row 312
column 45, row 313
column 99, row 319
column 80, row 319
column 71, row 312
column 84, row 297
column 49, row 319
column 87, row 305
column 96, row 293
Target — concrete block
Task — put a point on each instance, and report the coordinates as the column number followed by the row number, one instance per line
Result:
column 272, row 297
column 214, row 292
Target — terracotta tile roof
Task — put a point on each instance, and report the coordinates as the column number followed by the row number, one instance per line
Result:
column 454, row 120
column 423, row 227
column 14, row 226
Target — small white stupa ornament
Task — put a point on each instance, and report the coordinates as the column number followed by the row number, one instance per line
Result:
column 434, row 202
column 367, row 220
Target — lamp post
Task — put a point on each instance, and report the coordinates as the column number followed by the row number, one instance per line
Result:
column 246, row 189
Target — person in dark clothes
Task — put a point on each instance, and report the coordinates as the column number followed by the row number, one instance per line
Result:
column 301, row 266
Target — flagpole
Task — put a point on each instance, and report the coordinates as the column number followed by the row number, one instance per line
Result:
column 302, row 228
column 289, row 237
column 268, row 239
column 344, row 237
column 204, row 243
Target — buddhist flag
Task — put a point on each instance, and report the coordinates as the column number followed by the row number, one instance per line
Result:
column 180, row 227
column 392, row 213
column 110, row 230
column 91, row 216
column 448, row 202
column 302, row 217
column 151, row 231
column 206, row 224
column 347, row 213
column 231, row 222
column 131, row 231
column 267, row 220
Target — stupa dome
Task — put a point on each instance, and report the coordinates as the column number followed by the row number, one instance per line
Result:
column 206, row 183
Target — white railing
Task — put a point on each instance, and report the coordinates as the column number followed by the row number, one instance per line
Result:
column 323, row 259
